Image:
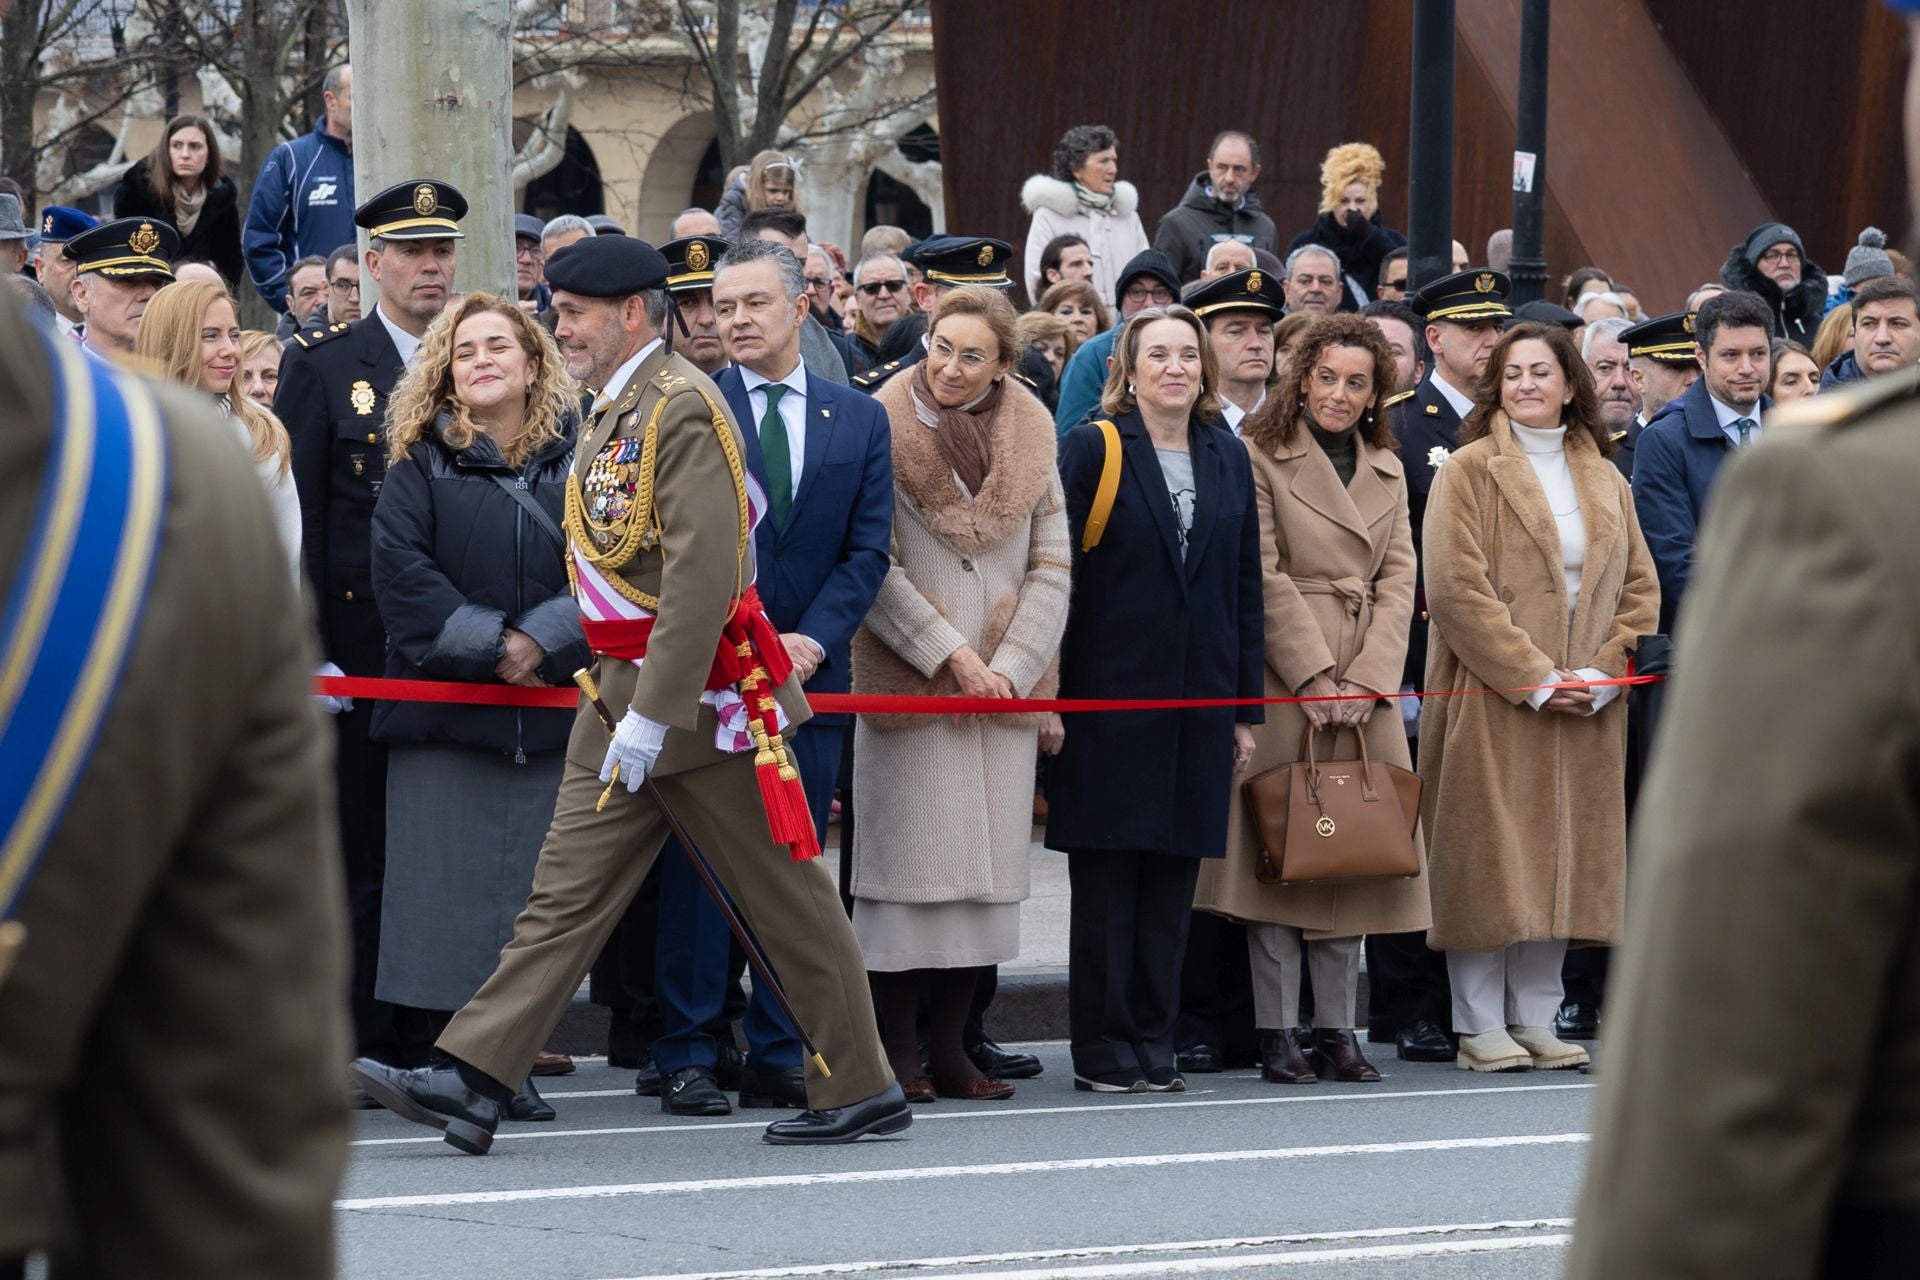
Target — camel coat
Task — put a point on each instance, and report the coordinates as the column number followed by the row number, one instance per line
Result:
column 944, row 809
column 1337, row 571
column 1525, row 810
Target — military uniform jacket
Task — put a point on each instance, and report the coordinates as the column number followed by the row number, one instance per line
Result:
column 334, row 384
column 1422, row 422
column 1623, row 442
column 691, row 572
column 876, row 377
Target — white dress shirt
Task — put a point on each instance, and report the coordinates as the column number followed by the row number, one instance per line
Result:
column 1233, row 415
column 1727, row 415
column 1546, row 450
column 1462, row 403
column 793, row 412
column 405, row 343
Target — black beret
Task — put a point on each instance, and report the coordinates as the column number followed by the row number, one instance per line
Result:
column 607, row 267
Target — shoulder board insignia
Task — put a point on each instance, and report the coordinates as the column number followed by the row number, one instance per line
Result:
column 315, row 337
column 1024, row 380
column 338, row 328
column 1617, row 437
column 1395, row 399
column 1434, row 409
column 669, row 380
column 893, row 364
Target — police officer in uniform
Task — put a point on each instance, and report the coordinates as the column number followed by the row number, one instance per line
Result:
column 1663, row 366
column 334, row 384
column 658, row 544
column 1408, row 999
column 945, row 262
column 690, row 263
column 117, row 267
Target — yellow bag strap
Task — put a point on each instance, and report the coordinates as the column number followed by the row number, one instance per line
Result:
column 1107, row 490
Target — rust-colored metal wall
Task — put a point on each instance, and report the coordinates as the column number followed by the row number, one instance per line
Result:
column 1649, row 174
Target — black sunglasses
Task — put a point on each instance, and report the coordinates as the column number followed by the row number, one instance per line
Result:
column 873, row 288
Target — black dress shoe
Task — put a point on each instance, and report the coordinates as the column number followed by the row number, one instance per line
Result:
column 529, row 1105
column 1425, row 1041
column 693, row 1091
column 1200, row 1060
column 1576, row 1021
column 1004, row 1064
column 885, row 1112
column 646, row 1082
column 760, row 1087
column 435, row 1097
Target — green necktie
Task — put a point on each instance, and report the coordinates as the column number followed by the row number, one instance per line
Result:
column 773, row 449
column 1745, row 427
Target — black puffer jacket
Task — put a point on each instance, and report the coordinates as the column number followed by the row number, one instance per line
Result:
column 456, row 561
column 215, row 236
column 1360, row 255
column 1797, row 311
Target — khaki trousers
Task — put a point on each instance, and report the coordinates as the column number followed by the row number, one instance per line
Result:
column 591, row 866
column 1334, row 964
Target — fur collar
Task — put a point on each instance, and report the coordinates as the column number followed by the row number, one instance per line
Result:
column 1806, row 300
column 1042, row 192
column 1024, row 446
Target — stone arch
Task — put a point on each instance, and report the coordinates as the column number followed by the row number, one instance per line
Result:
column 572, row 186
column 673, row 171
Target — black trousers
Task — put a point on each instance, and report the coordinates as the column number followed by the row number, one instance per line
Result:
column 1128, row 939
column 1216, row 989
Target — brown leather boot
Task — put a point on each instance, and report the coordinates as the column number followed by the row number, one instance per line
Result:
column 1337, row 1056
column 1281, row 1061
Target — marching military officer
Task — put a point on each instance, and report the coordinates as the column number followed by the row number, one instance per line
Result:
column 945, row 262
column 334, row 383
column 660, row 517
column 1464, row 313
column 117, row 267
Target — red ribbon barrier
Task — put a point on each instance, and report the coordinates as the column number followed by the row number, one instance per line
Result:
column 510, row 695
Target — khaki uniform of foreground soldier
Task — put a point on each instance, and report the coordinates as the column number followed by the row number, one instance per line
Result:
column 657, row 516
column 171, row 1031
column 1759, row 1114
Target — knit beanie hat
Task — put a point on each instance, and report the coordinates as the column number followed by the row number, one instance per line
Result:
column 1769, row 234
column 1868, row 260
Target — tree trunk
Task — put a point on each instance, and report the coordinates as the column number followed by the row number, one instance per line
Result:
column 19, row 59
column 434, row 99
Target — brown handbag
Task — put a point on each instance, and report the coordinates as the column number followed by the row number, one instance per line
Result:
column 1333, row 821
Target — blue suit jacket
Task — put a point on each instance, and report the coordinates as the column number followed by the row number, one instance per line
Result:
column 1675, row 462
column 819, row 575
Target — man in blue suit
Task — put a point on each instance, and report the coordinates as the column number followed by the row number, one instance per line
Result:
column 1680, row 452
column 823, row 456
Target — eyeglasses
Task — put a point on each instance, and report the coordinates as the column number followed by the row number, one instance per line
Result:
column 1159, row 295
column 344, row 286
column 527, row 249
column 874, row 288
column 819, row 282
column 1785, row 253
column 1400, row 284
column 942, row 351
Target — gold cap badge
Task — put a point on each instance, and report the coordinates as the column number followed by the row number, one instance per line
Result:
column 361, row 398
column 697, row 258
column 144, row 239
column 1483, row 283
column 1686, row 322
column 1253, row 283
column 986, row 255
column 424, row 201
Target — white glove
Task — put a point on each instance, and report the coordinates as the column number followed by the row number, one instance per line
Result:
column 636, row 745
column 332, row 704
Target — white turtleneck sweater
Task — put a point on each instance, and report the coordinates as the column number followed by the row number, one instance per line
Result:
column 1546, row 450
column 281, row 496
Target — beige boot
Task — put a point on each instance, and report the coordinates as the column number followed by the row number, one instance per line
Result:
column 1492, row 1051
column 1549, row 1053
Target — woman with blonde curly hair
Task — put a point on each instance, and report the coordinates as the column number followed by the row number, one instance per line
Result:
column 1349, row 222
column 190, row 334
column 470, row 572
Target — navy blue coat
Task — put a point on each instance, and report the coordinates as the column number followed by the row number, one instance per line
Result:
column 1675, row 462
column 1423, row 422
column 1145, row 624
column 818, row 576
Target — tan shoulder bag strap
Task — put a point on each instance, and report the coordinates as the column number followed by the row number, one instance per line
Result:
column 1107, row 490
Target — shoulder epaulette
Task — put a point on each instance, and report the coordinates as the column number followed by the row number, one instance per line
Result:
column 1396, row 398
column 311, row 338
column 1616, row 437
column 1025, row 381
column 1847, row 405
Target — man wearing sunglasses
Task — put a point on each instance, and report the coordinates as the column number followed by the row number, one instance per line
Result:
column 880, row 285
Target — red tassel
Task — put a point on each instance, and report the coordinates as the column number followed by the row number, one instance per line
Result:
column 787, row 816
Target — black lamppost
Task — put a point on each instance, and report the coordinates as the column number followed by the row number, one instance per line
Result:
column 1529, row 266
column 1430, row 175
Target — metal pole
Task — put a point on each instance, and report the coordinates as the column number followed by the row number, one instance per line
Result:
column 1529, row 265
column 1430, row 175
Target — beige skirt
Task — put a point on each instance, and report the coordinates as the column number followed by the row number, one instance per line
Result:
column 897, row 936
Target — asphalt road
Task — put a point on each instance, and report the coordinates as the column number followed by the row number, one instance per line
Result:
column 1433, row 1172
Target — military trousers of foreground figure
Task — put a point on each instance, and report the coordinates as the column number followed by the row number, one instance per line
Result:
column 591, row 866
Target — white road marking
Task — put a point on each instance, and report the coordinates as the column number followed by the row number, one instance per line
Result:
column 921, row 1116
column 1117, row 1251
column 927, row 1173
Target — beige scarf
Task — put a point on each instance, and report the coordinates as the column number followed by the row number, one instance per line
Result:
column 965, row 434
column 186, row 208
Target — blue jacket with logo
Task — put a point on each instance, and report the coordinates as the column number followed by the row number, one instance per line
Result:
column 302, row 204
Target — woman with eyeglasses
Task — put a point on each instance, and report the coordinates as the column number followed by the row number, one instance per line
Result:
column 1083, row 196
column 1166, row 604
column 880, row 282
column 770, row 182
column 973, row 605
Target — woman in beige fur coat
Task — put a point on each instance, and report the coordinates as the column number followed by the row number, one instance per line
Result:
column 1337, row 568
column 1536, row 574
column 974, row 604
